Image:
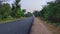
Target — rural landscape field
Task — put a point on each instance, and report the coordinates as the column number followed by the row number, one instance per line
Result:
column 29, row 16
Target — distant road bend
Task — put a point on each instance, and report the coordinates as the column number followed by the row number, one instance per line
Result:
column 17, row 27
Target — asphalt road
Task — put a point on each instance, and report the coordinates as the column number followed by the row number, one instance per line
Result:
column 17, row 27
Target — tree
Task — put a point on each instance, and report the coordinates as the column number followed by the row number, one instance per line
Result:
column 0, row 3
column 5, row 11
column 42, row 12
column 23, row 10
column 36, row 13
column 17, row 12
column 29, row 14
column 52, row 11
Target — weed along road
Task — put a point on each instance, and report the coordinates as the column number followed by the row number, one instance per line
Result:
column 17, row 27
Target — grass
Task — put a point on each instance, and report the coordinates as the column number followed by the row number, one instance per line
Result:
column 9, row 20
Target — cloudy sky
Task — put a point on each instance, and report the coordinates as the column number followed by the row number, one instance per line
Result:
column 31, row 5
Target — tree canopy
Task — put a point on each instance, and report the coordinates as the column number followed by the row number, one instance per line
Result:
column 6, row 11
column 50, row 12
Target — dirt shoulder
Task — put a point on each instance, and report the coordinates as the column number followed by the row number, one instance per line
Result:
column 39, row 28
column 52, row 28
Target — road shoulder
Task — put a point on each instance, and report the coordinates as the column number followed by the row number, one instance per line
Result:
column 39, row 28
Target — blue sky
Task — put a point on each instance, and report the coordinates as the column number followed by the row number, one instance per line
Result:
column 31, row 5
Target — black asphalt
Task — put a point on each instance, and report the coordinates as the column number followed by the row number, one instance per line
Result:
column 17, row 27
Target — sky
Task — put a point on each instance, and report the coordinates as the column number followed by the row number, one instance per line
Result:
column 31, row 5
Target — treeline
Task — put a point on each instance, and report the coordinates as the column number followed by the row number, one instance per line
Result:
column 50, row 12
column 6, row 11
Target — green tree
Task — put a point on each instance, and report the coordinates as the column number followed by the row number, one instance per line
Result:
column 29, row 14
column 42, row 12
column 17, row 12
column 5, row 11
column 36, row 13
column 52, row 11
column 23, row 10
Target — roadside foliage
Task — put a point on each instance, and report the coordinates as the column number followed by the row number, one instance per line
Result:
column 51, row 12
column 6, row 11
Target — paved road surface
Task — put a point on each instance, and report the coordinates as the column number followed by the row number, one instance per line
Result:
column 17, row 27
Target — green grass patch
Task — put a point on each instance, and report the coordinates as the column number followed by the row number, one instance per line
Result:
column 8, row 20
